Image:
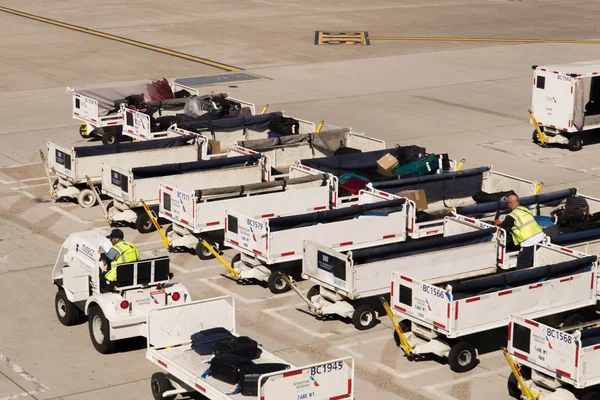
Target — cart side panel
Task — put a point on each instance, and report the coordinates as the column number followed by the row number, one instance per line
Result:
column 246, row 234
column 553, row 99
column 327, row 266
column 116, row 182
column 498, row 182
column 173, row 326
column 177, row 205
column 422, row 303
column 61, row 160
column 85, row 108
column 333, row 379
column 544, row 348
column 137, row 125
column 363, row 142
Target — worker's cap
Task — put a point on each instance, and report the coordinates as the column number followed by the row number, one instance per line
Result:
column 116, row 234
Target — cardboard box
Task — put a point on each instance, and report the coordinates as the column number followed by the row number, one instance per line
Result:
column 418, row 196
column 387, row 164
column 214, row 147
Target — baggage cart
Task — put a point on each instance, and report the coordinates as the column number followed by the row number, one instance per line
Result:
column 99, row 114
column 185, row 371
column 72, row 166
column 286, row 150
column 454, row 191
column 112, row 313
column 348, row 284
column 130, row 187
column 440, row 315
column 554, row 363
column 137, row 124
column 268, row 245
column 565, row 102
column 196, row 214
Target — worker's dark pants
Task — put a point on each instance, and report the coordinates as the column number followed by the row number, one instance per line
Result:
column 525, row 257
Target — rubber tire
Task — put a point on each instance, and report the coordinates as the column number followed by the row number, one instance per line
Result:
column 274, row 282
column 590, row 396
column 236, row 259
column 512, row 385
column 144, row 224
column 109, row 138
column 359, row 312
column 159, row 383
column 86, row 198
column 575, row 143
column 72, row 313
column 455, row 352
column 313, row 291
column 203, row 253
column 574, row 319
column 534, row 137
column 406, row 327
column 107, row 345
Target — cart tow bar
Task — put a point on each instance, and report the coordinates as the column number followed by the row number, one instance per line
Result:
column 526, row 392
column 264, row 110
column 94, row 190
column 404, row 345
column 165, row 240
column 541, row 137
column 292, row 283
column 50, row 188
column 232, row 271
column 460, row 164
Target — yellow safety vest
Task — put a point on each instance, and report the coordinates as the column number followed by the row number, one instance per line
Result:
column 525, row 225
column 127, row 253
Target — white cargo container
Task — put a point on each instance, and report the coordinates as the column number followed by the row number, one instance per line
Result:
column 129, row 187
column 170, row 349
column 72, row 166
column 566, row 101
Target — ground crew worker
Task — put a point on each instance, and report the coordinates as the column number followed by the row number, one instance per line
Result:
column 524, row 230
column 121, row 252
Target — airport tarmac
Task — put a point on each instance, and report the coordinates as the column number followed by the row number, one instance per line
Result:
column 466, row 98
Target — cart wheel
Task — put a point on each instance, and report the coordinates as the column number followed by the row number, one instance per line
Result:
column 364, row 317
column 160, row 384
column 202, row 252
column 406, row 327
column 144, row 224
column 55, row 184
column 86, row 198
column 313, row 291
column 534, row 136
column 514, row 390
column 276, row 283
column 462, row 357
column 590, row 396
column 66, row 311
column 236, row 259
column 574, row 319
column 575, row 143
column 99, row 330
column 109, row 137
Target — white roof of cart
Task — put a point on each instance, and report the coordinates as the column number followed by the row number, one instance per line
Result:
column 584, row 68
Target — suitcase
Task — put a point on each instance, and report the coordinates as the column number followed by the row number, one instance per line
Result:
column 203, row 342
column 354, row 185
column 249, row 375
column 241, row 346
column 227, row 367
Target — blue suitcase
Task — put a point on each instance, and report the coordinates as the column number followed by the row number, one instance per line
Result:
column 203, row 342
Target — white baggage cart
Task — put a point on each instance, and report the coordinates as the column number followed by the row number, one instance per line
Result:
column 566, row 102
column 267, row 245
column 131, row 187
column 555, row 364
column 113, row 313
column 169, row 348
column 97, row 111
column 197, row 214
column 454, row 191
column 347, row 283
column 442, row 314
column 72, row 166
column 287, row 150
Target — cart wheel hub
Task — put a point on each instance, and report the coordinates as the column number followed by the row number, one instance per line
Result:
column 62, row 308
column 97, row 329
column 464, row 358
column 366, row 318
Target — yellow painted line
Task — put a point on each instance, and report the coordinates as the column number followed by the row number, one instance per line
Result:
column 123, row 40
column 500, row 40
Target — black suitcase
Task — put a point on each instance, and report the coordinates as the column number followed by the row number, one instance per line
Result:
column 241, row 346
column 203, row 342
column 227, row 367
column 249, row 375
